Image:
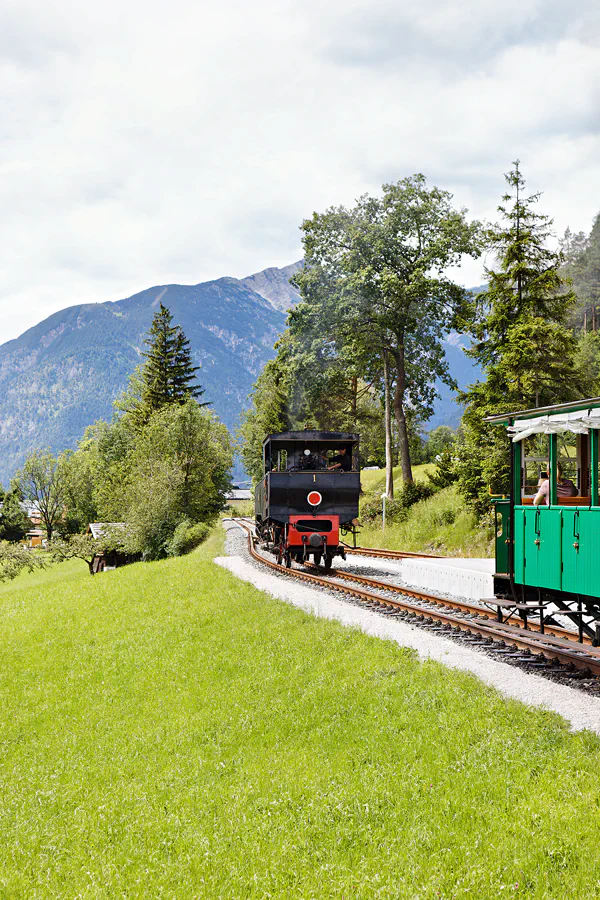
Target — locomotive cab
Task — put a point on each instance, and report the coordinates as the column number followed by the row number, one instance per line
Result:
column 308, row 494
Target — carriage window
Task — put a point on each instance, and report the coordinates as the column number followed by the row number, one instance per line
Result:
column 536, row 450
column 569, row 455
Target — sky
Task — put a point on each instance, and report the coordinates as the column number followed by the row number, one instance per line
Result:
column 154, row 142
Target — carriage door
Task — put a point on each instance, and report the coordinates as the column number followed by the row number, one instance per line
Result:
column 541, row 547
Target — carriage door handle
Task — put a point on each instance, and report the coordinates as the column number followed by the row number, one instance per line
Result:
column 576, row 530
column 536, row 527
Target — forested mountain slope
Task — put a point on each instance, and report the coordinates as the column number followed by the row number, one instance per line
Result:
column 63, row 374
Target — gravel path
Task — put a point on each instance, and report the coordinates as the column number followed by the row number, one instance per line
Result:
column 580, row 710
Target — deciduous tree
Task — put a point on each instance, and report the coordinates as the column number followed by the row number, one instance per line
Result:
column 374, row 283
column 14, row 559
column 42, row 483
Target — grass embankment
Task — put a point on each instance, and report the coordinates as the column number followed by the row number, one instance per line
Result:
column 374, row 480
column 168, row 731
column 441, row 524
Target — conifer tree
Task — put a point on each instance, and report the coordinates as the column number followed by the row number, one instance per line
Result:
column 521, row 337
column 167, row 375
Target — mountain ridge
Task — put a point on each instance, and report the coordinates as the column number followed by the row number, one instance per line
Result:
column 64, row 373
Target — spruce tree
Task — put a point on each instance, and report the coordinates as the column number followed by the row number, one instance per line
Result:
column 184, row 371
column 158, row 369
column 167, row 375
column 521, row 338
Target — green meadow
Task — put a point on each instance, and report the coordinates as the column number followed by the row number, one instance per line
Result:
column 169, row 731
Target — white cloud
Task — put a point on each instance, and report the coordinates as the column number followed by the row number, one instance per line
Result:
column 146, row 143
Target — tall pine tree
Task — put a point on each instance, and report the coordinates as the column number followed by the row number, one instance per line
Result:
column 521, row 338
column 166, row 377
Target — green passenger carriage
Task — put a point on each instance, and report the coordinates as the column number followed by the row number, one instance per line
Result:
column 548, row 555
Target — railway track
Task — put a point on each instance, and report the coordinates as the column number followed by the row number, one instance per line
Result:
column 507, row 639
column 389, row 554
column 370, row 551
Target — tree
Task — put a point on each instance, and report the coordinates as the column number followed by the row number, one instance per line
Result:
column 582, row 265
column 303, row 389
column 14, row 521
column 76, row 546
column 521, row 338
column 178, row 469
column 41, row 482
column 587, row 363
column 437, row 440
column 14, row 559
column 80, row 471
column 166, row 377
column 374, row 284
column 267, row 414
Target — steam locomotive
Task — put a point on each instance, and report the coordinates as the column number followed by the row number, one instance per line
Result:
column 308, row 494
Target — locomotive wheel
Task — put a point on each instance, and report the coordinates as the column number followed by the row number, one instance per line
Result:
column 317, row 559
column 288, row 560
column 279, row 555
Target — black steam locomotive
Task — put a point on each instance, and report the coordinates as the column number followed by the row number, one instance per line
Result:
column 308, row 494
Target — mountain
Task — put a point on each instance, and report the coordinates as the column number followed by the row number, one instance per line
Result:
column 447, row 410
column 274, row 285
column 63, row 374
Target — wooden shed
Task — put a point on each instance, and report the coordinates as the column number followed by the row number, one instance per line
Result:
column 111, row 559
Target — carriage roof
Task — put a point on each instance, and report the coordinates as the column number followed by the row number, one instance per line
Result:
column 335, row 437
column 559, row 410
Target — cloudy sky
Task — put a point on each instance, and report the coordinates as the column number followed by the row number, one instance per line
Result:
column 153, row 142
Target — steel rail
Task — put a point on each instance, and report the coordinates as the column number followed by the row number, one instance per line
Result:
column 546, row 645
column 452, row 603
column 390, row 554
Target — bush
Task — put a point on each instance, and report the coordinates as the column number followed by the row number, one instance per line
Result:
column 445, row 517
column 445, row 473
column 187, row 537
column 412, row 492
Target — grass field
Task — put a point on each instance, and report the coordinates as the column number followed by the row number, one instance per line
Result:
column 168, row 731
column 374, row 480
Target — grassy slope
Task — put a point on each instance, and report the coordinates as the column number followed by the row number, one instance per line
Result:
column 442, row 524
column 168, row 731
column 375, row 480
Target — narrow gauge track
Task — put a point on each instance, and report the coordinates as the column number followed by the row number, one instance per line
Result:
column 447, row 615
column 389, row 554
column 372, row 551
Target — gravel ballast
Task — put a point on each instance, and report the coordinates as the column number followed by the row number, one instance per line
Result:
column 580, row 710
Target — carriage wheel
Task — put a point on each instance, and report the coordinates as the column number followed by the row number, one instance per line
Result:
column 288, row 560
column 279, row 555
column 328, row 561
column 317, row 559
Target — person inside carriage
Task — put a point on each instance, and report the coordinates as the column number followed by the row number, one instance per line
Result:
column 564, row 487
